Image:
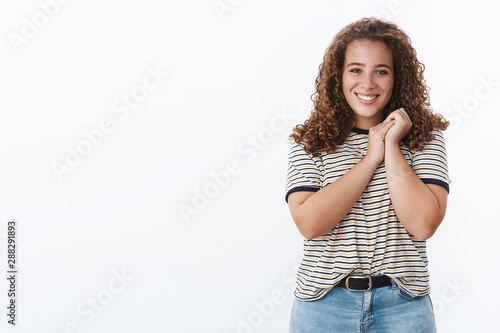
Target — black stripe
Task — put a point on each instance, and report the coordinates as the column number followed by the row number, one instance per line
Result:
column 301, row 188
column 436, row 182
column 360, row 130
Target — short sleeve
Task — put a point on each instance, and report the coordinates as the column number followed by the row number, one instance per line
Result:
column 303, row 173
column 430, row 164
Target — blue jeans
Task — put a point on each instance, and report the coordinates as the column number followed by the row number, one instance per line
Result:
column 381, row 310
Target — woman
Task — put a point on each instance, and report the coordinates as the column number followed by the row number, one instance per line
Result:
column 367, row 184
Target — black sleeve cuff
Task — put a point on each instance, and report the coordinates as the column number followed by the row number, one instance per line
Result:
column 299, row 189
column 436, row 182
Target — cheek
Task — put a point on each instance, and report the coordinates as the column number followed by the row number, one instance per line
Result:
column 388, row 86
column 346, row 84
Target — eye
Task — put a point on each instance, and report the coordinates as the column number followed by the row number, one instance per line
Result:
column 356, row 70
column 382, row 72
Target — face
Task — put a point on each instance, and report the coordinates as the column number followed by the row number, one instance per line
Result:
column 367, row 80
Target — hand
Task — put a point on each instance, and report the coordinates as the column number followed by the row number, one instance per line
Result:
column 401, row 126
column 376, row 142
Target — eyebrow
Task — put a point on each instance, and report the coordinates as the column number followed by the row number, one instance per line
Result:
column 361, row 64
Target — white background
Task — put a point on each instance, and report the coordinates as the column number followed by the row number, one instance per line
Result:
column 228, row 265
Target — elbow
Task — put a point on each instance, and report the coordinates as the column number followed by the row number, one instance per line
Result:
column 424, row 235
column 427, row 229
column 309, row 234
column 309, row 229
column 305, row 230
column 313, row 222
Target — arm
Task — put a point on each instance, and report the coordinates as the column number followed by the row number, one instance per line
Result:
column 419, row 207
column 317, row 213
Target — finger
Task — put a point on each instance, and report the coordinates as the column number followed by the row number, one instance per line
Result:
column 393, row 115
column 377, row 128
column 400, row 115
column 405, row 117
column 380, row 125
column 404, row 114
column 386, row 125
column 386, row 121
column 389, row 118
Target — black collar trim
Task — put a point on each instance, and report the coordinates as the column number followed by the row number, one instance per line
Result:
column 359, row 130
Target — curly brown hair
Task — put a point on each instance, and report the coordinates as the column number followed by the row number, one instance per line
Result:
column 332, row 119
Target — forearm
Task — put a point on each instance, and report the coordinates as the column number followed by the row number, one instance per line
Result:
column 414, row 203
column 323, row 210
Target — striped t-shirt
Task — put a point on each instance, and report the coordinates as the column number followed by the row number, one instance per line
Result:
column 370, row 240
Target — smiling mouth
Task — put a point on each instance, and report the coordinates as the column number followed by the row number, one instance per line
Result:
column 367, row 97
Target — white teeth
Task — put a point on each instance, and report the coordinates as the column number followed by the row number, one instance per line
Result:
column 366, row 98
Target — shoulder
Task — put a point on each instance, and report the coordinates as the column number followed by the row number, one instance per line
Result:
column 437, row 136
column 298, row 149
column 437, row 142
column 354, row 140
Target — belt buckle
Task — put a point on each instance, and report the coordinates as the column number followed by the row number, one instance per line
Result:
column 370, row 282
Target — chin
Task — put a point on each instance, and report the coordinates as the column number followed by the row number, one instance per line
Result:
column 368, row 113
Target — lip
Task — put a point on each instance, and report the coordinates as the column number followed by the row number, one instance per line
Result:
column 368, row 95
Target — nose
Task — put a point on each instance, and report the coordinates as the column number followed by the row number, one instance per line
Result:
column 368, row 82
